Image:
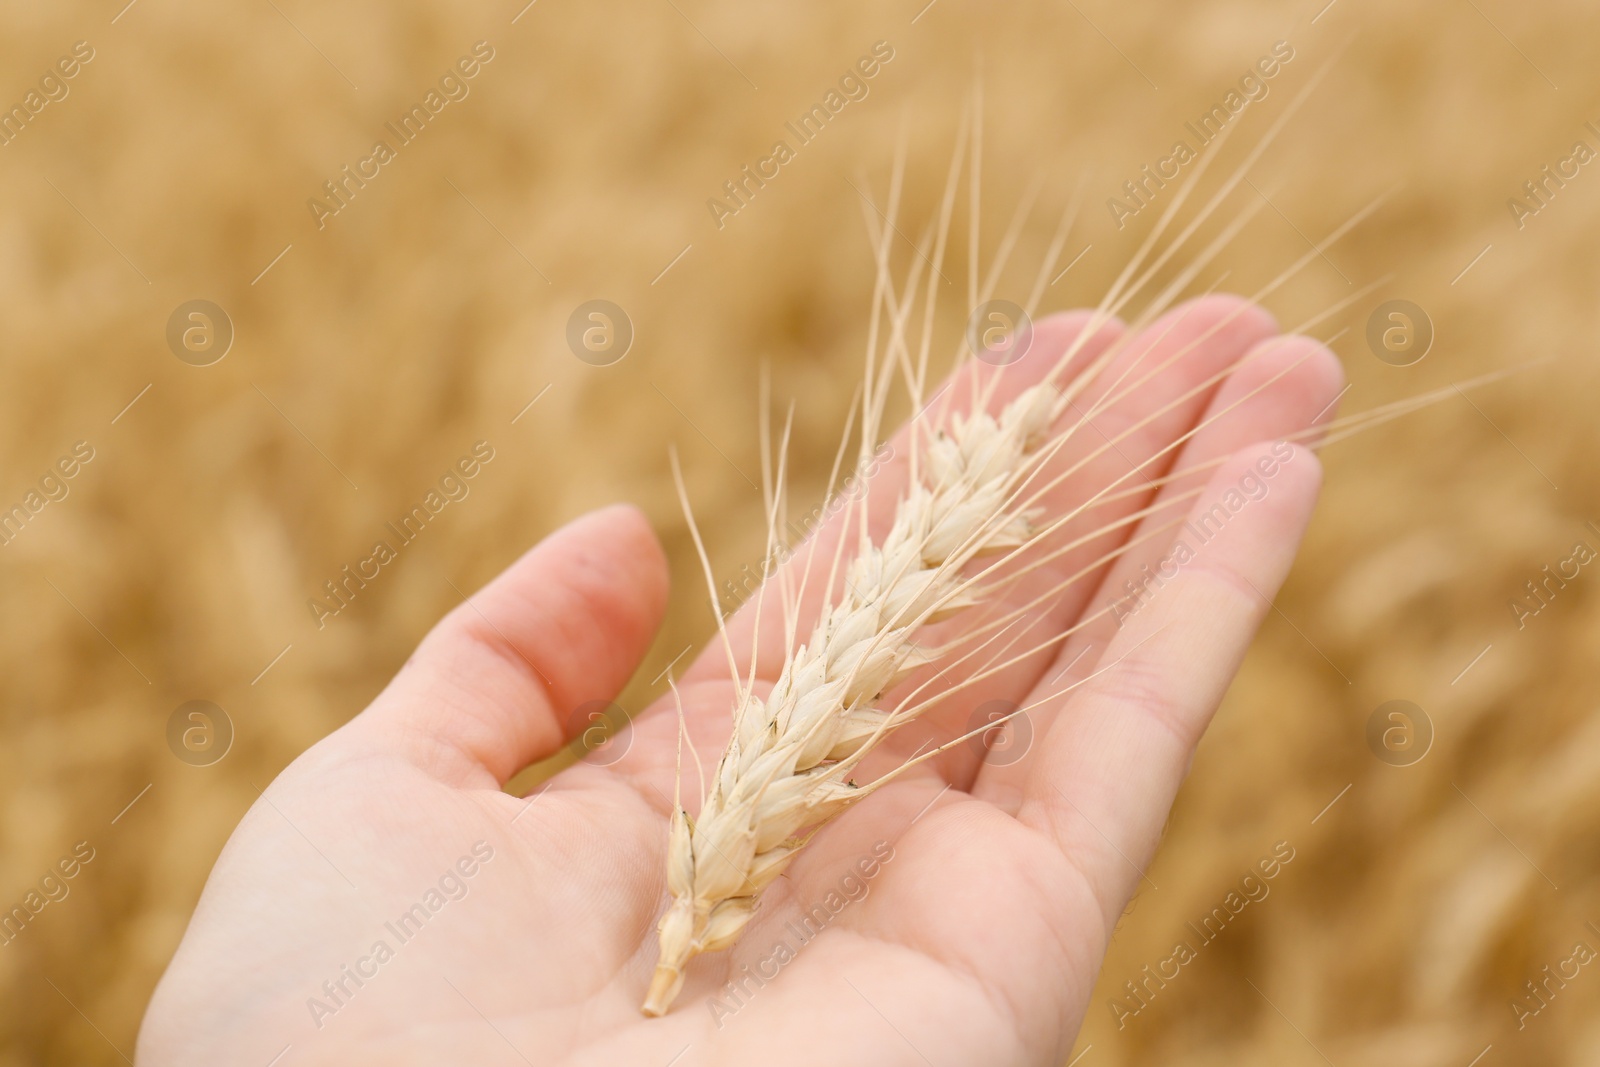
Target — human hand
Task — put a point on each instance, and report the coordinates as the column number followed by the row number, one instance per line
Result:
column 975, row 896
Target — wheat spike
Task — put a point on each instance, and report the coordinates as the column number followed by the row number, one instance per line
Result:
column 976, row 482
column 787, row 765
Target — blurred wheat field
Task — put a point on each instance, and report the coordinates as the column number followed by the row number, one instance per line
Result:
column 380, row 347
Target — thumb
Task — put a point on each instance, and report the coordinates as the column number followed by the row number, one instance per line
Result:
column 491, row 688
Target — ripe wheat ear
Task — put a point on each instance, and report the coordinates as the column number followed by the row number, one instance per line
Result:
column 970, row 522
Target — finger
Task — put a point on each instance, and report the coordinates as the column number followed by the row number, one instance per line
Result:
column 759, row 622
column 1122, row 426
column 1110, row 767
column 1147, row 406
column 648, row 750
column 492, row 688
column 1284, row 385
column 1118, row 442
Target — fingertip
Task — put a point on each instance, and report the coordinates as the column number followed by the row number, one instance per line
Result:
column 613, row 577
column 1305, row 364
column 1282, row 478
column 636, row 551
column 1061, row 328
column 1308, row 465
column 1205, row 338
column 505, row 678
column 1081, row 334
column 1227, row 311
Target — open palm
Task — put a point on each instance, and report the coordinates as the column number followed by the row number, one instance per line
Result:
column 386, row 902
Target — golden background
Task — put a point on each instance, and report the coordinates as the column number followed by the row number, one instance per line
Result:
column 427, row 313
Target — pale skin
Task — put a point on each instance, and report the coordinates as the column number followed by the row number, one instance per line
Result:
column 994, row 883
